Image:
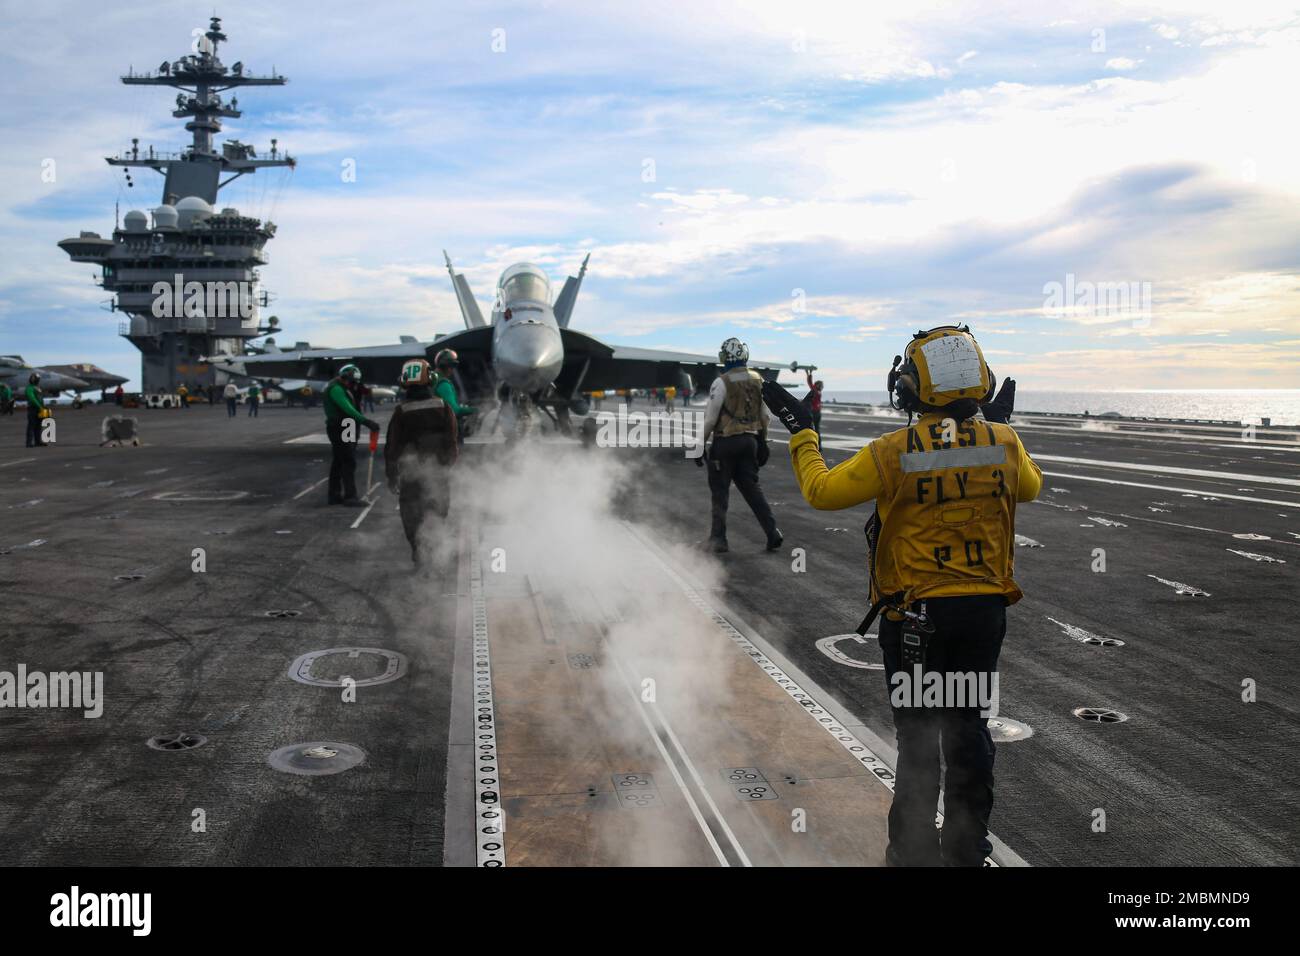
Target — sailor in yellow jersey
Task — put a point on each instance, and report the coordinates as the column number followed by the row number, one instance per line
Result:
column 942, row 544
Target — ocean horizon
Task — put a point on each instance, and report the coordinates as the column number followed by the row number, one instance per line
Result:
column 1280, row 406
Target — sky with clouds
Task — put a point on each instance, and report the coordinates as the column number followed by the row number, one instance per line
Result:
column 1107, row 193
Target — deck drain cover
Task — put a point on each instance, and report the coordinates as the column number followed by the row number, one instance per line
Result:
column 367, row 666
column 281, row 613
column 170, row 742
column 1100, row 715
column 1004, row 730
column 581, row 661
column 317, row 758
column 636, row 791
column 129, row 577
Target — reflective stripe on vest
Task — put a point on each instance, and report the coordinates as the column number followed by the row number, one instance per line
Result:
column 423, row 403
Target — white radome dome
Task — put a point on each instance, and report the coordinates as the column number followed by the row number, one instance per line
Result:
column 164, row 217
column 192, row 209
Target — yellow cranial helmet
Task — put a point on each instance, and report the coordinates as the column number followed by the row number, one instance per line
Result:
column 939, row 367
column 415, row 372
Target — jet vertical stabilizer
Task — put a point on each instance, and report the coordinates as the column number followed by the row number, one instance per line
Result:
column 468, row 307
column 568, row 295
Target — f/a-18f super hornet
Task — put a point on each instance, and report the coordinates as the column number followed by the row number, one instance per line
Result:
column 525, row 358
column 15, row 373
column 96, row 378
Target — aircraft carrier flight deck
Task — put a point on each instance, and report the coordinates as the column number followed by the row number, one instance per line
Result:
column 569, row 681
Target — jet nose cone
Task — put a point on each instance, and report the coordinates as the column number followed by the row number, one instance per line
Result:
column 529, row 356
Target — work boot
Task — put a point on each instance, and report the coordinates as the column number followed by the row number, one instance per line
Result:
column 894, row 858
column 774, row 539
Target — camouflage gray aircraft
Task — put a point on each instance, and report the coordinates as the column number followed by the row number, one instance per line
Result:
column 527, row 357
column 95, row 377
column 14, row 372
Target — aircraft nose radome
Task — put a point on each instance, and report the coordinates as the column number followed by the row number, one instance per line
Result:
column 530, row 355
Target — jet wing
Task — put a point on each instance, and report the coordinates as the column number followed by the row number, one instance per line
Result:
column 599, row 366
column 378, row 363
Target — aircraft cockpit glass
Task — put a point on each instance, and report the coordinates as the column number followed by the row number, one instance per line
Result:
column 525, row 281
column 525, row 286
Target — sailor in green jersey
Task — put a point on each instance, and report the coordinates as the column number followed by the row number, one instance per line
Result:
column 6, row 399
column 35, row 405
column 339, row 410
column 446, row 362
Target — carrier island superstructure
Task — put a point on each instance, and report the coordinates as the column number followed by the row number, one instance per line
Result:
column 186, row 273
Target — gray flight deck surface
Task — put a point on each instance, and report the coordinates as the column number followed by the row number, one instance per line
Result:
column 1194, row 776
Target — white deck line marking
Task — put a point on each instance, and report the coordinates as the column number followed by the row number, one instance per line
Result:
column 667, row 759
column 1175, row 442
column 1186, row 491
column 489, row 808
column 17, row 461
column 362, row 517
column 1170, row 470
column 311, row 488
column 1189, row 527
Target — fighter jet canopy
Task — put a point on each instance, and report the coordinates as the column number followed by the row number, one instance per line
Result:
column 524, row 281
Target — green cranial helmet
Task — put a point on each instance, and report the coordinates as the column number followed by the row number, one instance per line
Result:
column 351, row 373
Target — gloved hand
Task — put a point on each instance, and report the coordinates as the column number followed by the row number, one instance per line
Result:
column 794, row 414
column 764, row 453
column 371, row 424
column 702, row 457
column 999, row 410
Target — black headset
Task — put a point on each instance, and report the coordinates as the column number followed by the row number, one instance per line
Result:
column 905, row 381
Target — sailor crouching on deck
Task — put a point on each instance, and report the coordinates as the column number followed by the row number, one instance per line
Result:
column 420, row 448
column 942, row 546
